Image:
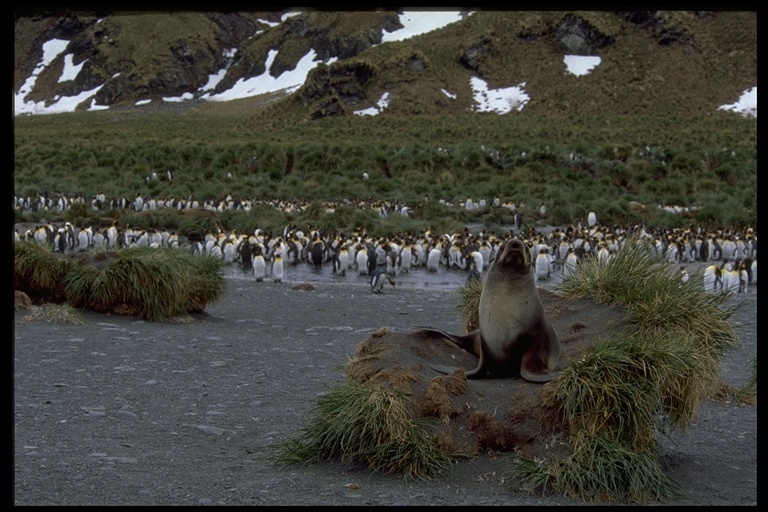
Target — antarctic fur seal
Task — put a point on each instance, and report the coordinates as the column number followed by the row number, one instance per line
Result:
column 514, row 335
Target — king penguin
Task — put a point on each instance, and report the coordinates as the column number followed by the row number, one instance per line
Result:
column 259, row 264
column 433, row 259
column 317, row 251
column 362, row 260
column 277, row 268
column 246, row 254
column 474, row 274
column 378, row 278
column 372, row 260
column 571, row 262
column 542, row 268
column 341, row 261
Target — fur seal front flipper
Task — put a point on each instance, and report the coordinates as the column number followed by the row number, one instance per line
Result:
column 471, row 343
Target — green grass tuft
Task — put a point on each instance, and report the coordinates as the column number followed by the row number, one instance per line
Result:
column 154, row 284
column 37, row 270
column 361, row 425
column 600, row 470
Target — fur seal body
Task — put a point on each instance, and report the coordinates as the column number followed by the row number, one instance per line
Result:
column 514, row 337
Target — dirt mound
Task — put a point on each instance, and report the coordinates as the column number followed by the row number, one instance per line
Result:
column 481, row 415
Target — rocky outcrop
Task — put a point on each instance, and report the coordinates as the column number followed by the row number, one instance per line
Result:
column 579, row 37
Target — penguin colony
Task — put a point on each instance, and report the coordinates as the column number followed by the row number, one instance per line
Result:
column 731, row 254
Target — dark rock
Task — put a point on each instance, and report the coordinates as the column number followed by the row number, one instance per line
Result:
column 475, row 54
column 579, row 37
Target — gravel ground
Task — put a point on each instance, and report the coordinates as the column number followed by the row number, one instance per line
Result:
column 121, row 411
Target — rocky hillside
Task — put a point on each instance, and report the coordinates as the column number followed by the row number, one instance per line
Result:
column 652, row 63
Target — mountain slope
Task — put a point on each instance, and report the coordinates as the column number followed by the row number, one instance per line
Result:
column 660, row 63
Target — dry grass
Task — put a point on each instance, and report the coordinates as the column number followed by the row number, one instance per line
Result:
column 55, row 313
column 469, row 305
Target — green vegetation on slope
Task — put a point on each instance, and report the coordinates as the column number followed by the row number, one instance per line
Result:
column 570, row 164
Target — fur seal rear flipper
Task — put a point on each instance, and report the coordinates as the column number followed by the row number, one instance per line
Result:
column 471, row 342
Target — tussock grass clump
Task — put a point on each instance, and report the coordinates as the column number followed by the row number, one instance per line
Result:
column 469, row 305
column 55, row 313
column 154, row 284
column 748, row 394
column 617, row 389
column 38, row 271
column 361, row 425
column 634, row 383
column 620, row 280
column 205, row 281
column 600, row 470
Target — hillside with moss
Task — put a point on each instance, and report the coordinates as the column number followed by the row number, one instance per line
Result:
column 652, row 63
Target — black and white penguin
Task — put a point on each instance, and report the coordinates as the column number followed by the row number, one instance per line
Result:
column 317, row 251
column 71, row 236
column 61, row 240
column 473, row 274
column 454, row 254
column 571, row 262
column 173, row 240
column 378, row 278
column 259, row 264
column 518, row 220
column 229, row 251
column 82, row 242
column 393, row 260
column 705, row 252
column 604, row 255
column 100, row 239
column 542, row 264
column 215, row 250
column 406, row 257
column 434, row 259
column 372, row 261
column 485, row 251
column 730, row 279
column 362, row 260
column 277, row 268
column 419, row 259
column 43, row 235
column 246, row 254
column 476, row 258
column 713, row 279
column 341, row 261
